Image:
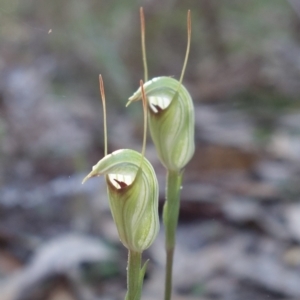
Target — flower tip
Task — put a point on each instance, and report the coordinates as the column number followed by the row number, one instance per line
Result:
column 129, row 102
column 85, row 179
column 135, row 97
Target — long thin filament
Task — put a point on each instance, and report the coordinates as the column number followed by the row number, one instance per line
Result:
column 189, row 33
column 145, row 107
column 142, row 17
column 104, row 113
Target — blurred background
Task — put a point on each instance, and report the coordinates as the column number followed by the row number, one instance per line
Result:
column 239, row 229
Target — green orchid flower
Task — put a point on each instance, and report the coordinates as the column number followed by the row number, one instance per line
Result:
column 133, row 196
column 171, row 120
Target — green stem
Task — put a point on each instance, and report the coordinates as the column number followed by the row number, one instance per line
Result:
column 134, row 281
column 170, row 219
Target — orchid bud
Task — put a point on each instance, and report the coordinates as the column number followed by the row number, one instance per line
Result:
column 133, row 196
column 171, row 120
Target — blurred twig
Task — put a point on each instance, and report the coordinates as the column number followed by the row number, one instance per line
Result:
column 295, row 5
column 213, row 26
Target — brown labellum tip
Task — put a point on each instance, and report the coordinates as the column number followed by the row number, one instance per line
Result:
column 159, row 109
column 121, row 183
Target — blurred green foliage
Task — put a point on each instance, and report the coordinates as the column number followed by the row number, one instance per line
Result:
column 91, row 37
column 84, row 38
